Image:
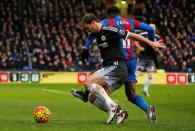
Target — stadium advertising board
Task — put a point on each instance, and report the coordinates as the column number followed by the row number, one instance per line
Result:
column 38, row 77
column 180, row 78
column 191, row 78
column 81, row 77
column 4, row 78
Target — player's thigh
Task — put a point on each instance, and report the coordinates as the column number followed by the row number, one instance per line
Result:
column 97, row 79
column 114, row 75
column 116, row 78
column 131, row 66
column 141, row 63
column 150, row 66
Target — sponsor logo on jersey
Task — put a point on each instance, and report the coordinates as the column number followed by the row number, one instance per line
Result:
column 103, row 45
column 110, row 28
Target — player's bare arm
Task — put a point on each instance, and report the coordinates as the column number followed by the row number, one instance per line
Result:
column 155, row 45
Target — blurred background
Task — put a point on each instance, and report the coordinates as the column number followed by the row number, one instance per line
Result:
column 46, row 35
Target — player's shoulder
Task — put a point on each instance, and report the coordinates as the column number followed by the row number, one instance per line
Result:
column 105, row 21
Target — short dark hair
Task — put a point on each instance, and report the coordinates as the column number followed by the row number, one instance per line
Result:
column 113, row 11
column 88, row 18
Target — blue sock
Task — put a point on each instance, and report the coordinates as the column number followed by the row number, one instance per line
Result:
column 140, row 102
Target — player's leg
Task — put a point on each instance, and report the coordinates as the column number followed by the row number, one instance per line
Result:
column 150, row 69
column 121, row 114
column 139, row 68
column 115, row 77
column 134, row 98
column 147, row 84
column 130, row 86
column 98, row 102
column 141, row 65
column 86, row 96
column 110, row 76
column 140, row 102
column 95, row 85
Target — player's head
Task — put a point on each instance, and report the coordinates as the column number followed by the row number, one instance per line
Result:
column 113, row 11
column 90, row 23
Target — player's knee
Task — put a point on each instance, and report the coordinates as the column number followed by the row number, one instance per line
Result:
column 150, row 76
column 130, row 98
column 90, row 86
column 87, row 83
column 129, row 90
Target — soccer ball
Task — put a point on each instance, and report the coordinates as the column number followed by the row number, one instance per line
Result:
column 41, row 114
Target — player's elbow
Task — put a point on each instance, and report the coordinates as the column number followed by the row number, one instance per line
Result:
column 150, row 29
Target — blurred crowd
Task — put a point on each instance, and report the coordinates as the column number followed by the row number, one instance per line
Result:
column 176, row 23
column 47, row 34
column 51, row 33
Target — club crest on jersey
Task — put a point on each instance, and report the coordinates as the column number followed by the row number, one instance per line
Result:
column 103, row 38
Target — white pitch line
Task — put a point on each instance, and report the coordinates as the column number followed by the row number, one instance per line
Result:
column 116, row 101
column 62, row 92
column 55, row 91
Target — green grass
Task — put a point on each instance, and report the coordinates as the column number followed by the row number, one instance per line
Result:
column 175, row 109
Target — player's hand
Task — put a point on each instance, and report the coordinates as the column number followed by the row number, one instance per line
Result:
column 159, row 45
column 141, row 49
column 158, row 51
column 84, row 55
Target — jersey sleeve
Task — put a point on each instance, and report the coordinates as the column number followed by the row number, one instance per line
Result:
column 89, row 41
column 117, row 31
column 145, row 27
column 105, row 22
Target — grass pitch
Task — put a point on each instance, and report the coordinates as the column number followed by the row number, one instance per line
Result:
column 175, row 109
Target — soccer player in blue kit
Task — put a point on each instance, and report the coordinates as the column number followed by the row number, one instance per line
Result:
column 130, row 58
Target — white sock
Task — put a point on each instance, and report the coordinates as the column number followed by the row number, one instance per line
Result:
column 148, row 81
column 101, row 105
column 99, row 92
